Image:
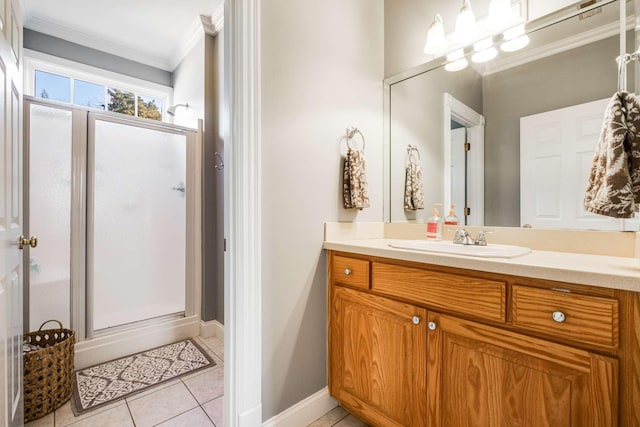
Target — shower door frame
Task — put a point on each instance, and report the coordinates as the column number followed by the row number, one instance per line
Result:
column 82, row 168
column 78, row 205
column 192, row 305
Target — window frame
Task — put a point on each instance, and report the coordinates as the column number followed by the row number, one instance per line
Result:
column 34, row 60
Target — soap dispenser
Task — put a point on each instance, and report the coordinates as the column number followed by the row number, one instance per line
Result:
column 434, row 224
column 451, row 219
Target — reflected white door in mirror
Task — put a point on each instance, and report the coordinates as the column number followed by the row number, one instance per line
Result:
column 473, row 188
column 557, row 147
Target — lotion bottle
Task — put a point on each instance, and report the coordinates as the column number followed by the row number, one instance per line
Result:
column 451, row 219
column 434, row 225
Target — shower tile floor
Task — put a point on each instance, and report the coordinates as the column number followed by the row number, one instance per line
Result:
column 194, row 400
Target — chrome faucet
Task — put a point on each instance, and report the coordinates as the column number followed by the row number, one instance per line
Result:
column 462, row 237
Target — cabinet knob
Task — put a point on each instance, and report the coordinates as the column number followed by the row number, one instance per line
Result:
column 432, row 326
column 559, row 316
column 347, row 271
column 415, row 320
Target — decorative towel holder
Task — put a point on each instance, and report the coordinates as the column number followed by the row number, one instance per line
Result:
column 411, row 150
column 350, row 134
column 622, row 61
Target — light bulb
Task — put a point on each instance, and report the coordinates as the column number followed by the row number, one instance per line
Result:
column 500, row 13
column 466, row 28
column 456, row 61
column 514, row 39
column 515, row 44
column 484, row 50
column 436, row 40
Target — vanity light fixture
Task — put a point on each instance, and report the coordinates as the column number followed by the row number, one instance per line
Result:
column 514, row 39
column 456, row 61
column 436, row 40
column 466, row 29
column 500, row 14
column 484, row 50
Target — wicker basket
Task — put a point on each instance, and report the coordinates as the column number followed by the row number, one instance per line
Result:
column 48, row 371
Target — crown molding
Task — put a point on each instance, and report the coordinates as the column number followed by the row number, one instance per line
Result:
column 54, row 29
column 217, row 18
column 190, row 38
column 563, row 45
column 203, row 24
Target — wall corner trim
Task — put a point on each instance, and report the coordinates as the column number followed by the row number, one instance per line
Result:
column 243, row 216
column 304, row 412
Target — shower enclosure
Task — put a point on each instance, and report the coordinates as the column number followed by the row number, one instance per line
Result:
column 112, row 200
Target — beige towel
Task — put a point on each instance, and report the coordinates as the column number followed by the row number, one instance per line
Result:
column 355, row 193
column 614, row 181
column 413, row 193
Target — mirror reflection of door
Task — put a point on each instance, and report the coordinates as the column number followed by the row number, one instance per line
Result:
column 458, row 171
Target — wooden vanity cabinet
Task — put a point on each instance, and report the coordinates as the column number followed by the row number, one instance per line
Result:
column 379, row 357
column 406, row 356
column 480, row 375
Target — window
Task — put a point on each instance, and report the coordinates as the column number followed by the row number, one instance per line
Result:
column 61, row 80
column 52, row 86
column 121, row 101
column 149, row 108
column 88, row 94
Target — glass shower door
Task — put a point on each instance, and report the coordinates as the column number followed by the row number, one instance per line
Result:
column 49, row 213
column 137, row 222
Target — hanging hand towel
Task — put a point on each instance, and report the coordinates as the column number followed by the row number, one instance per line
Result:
column 413, row 193
column 614, row 181
column 355, row 193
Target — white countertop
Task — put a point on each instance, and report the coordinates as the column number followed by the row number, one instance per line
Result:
column 597, row 270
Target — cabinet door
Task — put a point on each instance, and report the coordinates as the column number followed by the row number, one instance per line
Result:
column 378, row 358
column 483, row 376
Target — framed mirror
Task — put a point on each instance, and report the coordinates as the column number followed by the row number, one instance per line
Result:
column 538, row 112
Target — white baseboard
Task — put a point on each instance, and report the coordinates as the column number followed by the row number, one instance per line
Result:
column 120, row 344
column 304, row 412
column 212, row 328
column 250, row 418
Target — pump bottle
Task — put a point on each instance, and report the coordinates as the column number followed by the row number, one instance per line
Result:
column 434, row 224
column 451, row 219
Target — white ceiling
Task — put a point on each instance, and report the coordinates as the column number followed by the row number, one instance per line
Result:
column 155, row 32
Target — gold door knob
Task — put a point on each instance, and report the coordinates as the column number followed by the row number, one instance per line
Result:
column 23, row 241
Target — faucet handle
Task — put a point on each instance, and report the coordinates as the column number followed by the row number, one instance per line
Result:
column 460, row 236
column 481, row 240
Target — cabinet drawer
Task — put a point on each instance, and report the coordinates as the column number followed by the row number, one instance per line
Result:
column 581, row 318
column 350, row 271
column 452, row 292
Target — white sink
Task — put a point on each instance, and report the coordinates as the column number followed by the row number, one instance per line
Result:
column 489, row 251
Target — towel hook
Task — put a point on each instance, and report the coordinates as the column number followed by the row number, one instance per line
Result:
column 351, row 132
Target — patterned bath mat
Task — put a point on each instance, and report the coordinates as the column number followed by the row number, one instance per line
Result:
column 105, row 383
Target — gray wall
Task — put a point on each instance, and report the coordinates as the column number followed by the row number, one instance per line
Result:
column 417, row 118
column 322, row 70
column 213, row 198
column 584, row 74
column 74, row 52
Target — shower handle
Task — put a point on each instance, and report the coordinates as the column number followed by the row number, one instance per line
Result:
column 180, row 188
column 23, row 241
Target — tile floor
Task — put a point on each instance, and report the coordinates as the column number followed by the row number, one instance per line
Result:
column 337, row 417
column 194, row 400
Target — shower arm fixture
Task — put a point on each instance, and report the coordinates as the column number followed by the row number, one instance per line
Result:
column 172, row 110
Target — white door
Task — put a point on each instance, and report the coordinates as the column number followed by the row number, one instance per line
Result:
column 11, row 190
column 458, row 173
column 556, row 152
